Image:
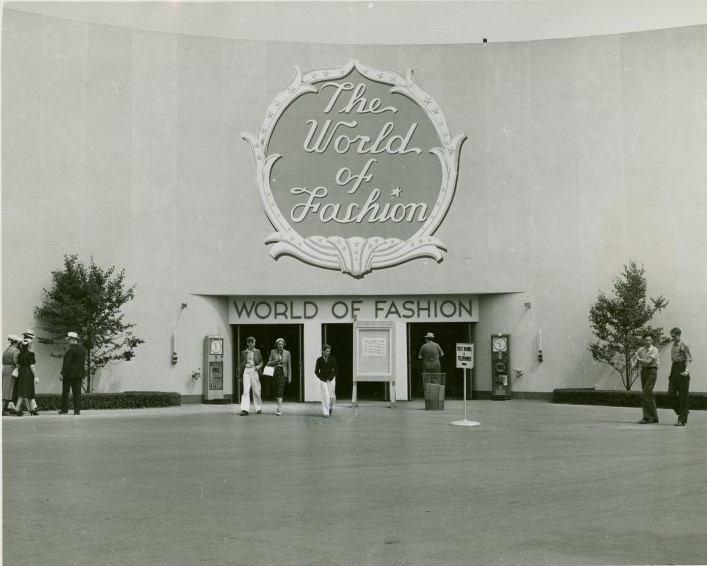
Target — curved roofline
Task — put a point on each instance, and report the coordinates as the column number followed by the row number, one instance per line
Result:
column 391, row 22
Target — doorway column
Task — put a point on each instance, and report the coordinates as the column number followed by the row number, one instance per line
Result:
column 312, row 349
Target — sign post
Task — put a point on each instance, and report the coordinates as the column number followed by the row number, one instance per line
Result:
column 465, row 360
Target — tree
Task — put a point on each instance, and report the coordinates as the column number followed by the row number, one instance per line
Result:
column 619, row 322
column 88, row 300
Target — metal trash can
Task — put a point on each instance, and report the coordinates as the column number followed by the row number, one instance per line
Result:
column 434, row 390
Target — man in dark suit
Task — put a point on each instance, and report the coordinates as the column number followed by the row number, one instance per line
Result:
column 326, row 370
column 73, row 372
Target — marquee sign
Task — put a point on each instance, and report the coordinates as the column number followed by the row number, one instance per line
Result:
column 356, row 169
column 283, row 309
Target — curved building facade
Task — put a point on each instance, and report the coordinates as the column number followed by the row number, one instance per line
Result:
column 306, row 191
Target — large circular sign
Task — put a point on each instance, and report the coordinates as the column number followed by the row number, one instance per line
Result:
column 356, row 169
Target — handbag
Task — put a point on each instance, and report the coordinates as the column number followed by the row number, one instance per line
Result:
column 269, row 370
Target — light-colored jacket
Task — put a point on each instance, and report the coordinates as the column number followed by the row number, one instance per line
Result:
column 286, row 362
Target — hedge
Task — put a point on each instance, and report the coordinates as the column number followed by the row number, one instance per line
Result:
column 125, row 400
column 698, row 401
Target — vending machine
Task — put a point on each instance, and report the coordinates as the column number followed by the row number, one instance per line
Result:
column 500, row 366
column 213, row 368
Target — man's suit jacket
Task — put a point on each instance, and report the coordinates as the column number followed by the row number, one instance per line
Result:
column 286, row 361
column 74, row 366
column 257, row 360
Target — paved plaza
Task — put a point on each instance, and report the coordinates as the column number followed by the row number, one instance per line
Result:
column 535, row 484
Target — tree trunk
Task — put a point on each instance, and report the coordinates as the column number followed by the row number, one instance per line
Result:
column 88, row 371
column 627, row 368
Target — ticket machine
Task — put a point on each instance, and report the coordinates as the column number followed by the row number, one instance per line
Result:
column 213, row 368
column 500, row 366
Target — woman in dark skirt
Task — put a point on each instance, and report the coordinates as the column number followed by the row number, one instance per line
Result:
column 25, row 379
column 281, row 360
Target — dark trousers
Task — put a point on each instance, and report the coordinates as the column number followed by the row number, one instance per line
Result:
column 648, row 379
column 73, row 385
column 679, row 390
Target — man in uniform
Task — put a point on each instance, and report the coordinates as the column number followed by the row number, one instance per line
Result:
column 647, row 358
column 679, row 380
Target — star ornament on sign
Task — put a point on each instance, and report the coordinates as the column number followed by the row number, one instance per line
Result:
column 331, row 146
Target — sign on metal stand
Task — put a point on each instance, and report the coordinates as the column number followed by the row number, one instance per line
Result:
column 465, row 360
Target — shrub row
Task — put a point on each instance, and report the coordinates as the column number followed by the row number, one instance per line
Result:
column 620, row 398
column 125, row 400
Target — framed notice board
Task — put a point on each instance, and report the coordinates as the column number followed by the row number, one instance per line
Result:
column 374, row 355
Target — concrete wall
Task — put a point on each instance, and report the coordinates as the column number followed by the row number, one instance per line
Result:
column 581, row 154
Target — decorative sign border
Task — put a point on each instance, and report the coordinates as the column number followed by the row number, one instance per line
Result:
column 356, row 255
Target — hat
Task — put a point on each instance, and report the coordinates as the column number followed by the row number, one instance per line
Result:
column 280, row 340
column 29, row 333
column 72, row 335
column 14, row 338
column 429, row 335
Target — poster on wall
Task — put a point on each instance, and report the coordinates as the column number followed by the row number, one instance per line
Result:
column 356, row 168
column 374, row 347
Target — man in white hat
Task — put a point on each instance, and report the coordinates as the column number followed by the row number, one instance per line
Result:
column 73, row 372
column 9, row 363
column 430, row 353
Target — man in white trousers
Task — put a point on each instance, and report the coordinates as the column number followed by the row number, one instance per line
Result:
column 251, row 364
column 326, row 370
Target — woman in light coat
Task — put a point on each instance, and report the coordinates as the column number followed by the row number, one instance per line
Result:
column 9, row 363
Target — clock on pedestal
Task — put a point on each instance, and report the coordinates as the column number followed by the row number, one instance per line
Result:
column 500, row 367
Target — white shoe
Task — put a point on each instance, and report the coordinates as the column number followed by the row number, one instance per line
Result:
column 278, row 412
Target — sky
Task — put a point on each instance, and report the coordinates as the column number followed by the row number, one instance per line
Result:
column 389, row 22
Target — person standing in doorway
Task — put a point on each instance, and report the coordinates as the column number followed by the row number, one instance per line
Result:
column 647, row 358
column 430, row 353
column 679, row 380
column 251, row 364
column 9, row 364
column 73, row 372
column 326, row 370
column 281, row 360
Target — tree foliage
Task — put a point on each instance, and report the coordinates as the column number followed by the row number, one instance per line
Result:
column 620, row 321
column 88, row 300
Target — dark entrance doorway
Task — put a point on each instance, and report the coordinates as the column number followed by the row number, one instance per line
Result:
column 340, row 338
column 265, row 336
column 447, row 334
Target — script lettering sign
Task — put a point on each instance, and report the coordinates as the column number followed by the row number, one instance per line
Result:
column 356, row 169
